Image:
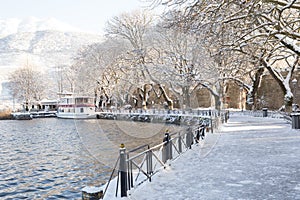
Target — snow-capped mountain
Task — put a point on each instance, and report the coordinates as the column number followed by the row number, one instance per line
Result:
column 44, row 44
column 32, row 24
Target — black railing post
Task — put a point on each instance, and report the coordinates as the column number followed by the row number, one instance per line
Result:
column 212, row 125
column 170, row 149
column 180, row 144
column 166, row 154
column 123, row 171
column 189, row 137
column 129, row 173
column 149, row 164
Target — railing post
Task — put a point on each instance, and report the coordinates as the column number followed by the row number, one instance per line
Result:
column 202, row 132
column 212, row 124
column 129, row 173
column 149, row 164
column 170, row 149
column 189, row 138
column 130, row 180
column 166, row 154
column 123, row 171
column 180, row 144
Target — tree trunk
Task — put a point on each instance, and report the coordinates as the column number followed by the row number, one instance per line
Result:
column 217, row 102
column 287, row 101
column 186, row 97
column 145, row 97
column 256, row 83
column 166, row 97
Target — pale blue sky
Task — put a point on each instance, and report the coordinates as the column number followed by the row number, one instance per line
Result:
column 88, row 15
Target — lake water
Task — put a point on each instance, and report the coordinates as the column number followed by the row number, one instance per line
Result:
column 55, row 158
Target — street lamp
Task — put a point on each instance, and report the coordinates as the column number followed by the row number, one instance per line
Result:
column 294, row 82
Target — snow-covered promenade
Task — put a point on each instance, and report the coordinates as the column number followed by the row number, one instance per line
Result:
column 250, row 158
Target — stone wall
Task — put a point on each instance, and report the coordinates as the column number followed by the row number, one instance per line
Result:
column 269, row 94
column 201, row 99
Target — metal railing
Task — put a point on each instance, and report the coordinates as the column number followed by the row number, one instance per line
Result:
column 190, row 112
column 268, row 113
column 136, row 168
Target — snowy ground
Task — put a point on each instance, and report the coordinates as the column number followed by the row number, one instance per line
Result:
column 251, row 158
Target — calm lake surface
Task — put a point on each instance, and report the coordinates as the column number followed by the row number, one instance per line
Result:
column 55, row 158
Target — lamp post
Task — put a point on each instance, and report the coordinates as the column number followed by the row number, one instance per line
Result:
column 294, row 82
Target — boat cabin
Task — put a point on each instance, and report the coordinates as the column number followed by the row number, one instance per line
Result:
column 76, row 107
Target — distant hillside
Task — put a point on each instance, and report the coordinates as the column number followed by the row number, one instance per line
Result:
column 44, row 44
column 32, row 24
column 44, row 48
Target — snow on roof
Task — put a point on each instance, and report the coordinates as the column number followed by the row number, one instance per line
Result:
column 49, row 101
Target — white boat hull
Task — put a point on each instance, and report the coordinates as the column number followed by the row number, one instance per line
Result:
column 22, row 116
column 76, row 116
column 43, row 114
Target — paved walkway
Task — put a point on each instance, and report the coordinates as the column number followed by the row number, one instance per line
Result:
column 252, row 158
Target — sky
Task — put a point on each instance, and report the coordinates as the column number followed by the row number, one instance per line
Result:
column 87, row 15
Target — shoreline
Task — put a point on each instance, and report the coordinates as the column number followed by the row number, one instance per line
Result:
column 6, row 115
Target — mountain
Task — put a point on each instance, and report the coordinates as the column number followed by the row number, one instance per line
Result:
column 46, row 43
column 43, row 43
column 32, row 24
column 48, row 48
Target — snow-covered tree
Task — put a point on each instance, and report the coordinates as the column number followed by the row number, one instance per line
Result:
column 182, row 61
column 96, row 71
column 27, row 85
column 134, row 28
column 273, row 26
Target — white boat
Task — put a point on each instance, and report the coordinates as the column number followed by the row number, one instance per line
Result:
column 22, row 116
column 43, row 114
column 44, row 108
column 76, row 107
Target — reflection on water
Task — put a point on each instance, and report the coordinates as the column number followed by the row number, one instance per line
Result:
column 55, row 158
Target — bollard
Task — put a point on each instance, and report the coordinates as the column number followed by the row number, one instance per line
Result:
column 265, row 112
column 123, row 171
column 92, row 193
column 295, row 120
column 226, row 116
